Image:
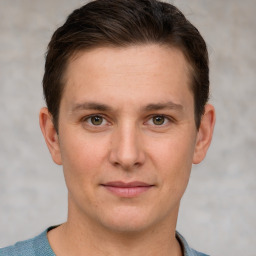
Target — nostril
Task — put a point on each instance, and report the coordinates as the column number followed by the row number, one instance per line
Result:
column 116, row 164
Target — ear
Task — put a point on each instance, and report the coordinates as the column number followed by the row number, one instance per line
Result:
column 50, row 135
column 204, row 135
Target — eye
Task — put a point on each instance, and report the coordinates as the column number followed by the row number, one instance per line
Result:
column 158, row 120
column 96, row 120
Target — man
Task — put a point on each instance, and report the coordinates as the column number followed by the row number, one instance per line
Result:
column 126, row 85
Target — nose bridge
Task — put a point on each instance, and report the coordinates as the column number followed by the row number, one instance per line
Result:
column 126, row 149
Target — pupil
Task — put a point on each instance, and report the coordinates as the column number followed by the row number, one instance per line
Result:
column 97, row 120
column 158, row 120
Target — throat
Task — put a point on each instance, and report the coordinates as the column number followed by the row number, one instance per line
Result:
column 64, row 242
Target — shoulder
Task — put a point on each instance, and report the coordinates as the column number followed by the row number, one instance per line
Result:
column 187, row 251
column 37, row 246
column 20, row 248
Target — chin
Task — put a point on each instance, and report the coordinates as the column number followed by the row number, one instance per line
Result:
column 128, row 220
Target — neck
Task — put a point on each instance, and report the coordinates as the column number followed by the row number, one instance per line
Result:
column 79, row 236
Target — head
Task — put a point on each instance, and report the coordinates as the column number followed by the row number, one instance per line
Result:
column 126, row 83
column 123, row 23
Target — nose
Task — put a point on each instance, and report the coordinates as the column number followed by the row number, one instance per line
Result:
column 127, row 148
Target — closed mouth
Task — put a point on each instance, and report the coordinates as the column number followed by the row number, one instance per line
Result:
column 127, row 189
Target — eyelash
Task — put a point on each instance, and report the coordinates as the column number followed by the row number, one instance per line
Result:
column 167, row 120
column 87, row 118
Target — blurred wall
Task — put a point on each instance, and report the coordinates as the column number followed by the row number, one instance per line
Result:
column 218, row 210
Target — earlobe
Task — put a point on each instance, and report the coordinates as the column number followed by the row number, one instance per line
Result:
column 50, row 135
column 204, row 135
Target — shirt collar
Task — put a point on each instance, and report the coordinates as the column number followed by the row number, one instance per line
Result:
column 187, row 251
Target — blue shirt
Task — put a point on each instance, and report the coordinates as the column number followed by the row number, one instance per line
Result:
column 39, row 246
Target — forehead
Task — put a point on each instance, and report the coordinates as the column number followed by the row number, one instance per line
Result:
column 128, row 71
column 129, row 57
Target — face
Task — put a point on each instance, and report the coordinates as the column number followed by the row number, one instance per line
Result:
column 127, row 136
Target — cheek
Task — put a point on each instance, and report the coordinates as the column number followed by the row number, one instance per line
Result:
column 82, row 161
column 173, row 156
column 173, row 150
column 80, row 149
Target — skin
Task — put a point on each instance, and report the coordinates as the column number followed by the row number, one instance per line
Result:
column 140, row 100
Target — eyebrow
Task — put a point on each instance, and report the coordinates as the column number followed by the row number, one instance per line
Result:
column 104, row 107
column 166, row 105
column 91, row 106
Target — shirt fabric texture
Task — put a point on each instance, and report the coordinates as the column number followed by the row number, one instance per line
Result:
column 39, row 246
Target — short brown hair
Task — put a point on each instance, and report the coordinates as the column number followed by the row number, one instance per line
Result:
column 123, row 23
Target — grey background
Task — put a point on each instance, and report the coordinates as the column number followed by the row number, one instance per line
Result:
column 218, row 210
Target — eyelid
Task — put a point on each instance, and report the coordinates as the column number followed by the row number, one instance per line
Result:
column 168, row 118
column 86, row 118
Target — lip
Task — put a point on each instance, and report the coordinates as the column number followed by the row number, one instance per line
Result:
column 127, row 189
